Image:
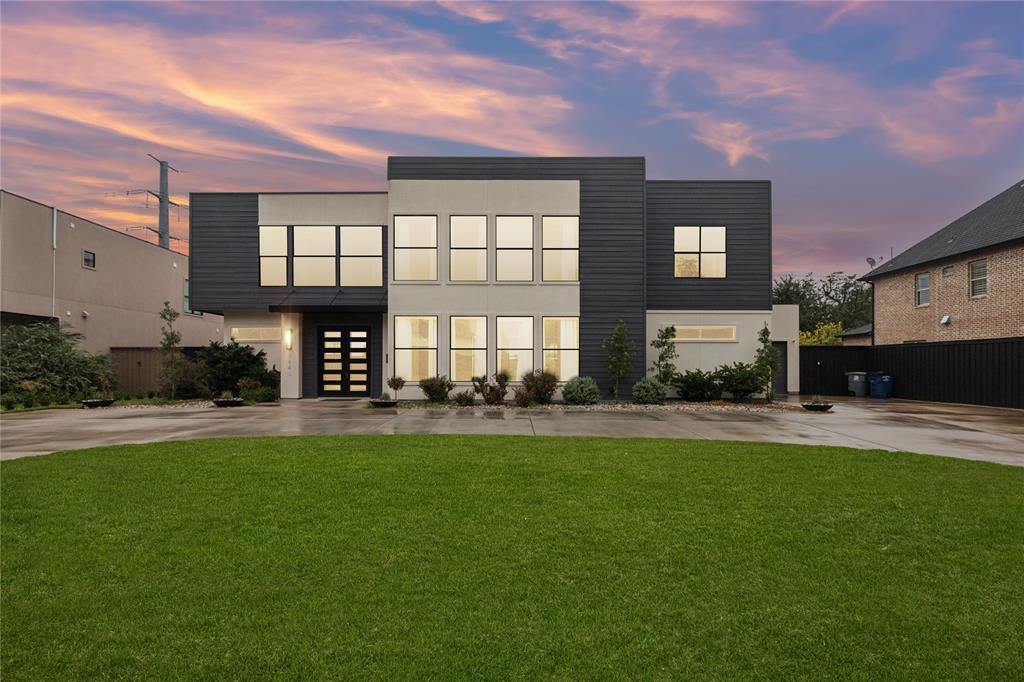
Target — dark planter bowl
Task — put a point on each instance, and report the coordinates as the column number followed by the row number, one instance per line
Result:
column 817, row 407
column 377, row 402
column 228, row 402
column 98, row 402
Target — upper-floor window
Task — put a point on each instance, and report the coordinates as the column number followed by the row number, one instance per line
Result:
column 515, row 346
column 513, row 241
column 88, row 259
column 415, row 347
column 922, row 289
column 362, row 256
column 979, row 277
column 560, row 244
column 467, row 241
column 699, row 251
column 186, row 299
column 415, row 248
column 562, row 346
column 273, row 256
column 314, row 250
column 468, row 347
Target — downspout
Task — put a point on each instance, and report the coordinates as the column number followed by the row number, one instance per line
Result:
column 53, row 266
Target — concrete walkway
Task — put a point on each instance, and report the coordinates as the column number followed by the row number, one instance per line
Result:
column 969, row 432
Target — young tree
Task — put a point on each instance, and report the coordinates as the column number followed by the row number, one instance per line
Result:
column 825, row 334
column 664, row 369
column 767, row 361
column 620, row 349
column 172, row 363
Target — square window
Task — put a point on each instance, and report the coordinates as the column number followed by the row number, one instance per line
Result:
column 699, row 251
column 88, row 260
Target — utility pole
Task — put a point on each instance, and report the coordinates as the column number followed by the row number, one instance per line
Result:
column 164, row 197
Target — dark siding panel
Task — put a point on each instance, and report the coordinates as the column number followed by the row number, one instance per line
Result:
column 224, row 262
column 744, row 207
column 310, row 322
column 611, row 237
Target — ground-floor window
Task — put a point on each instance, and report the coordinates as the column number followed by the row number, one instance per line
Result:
column 415, row 347
column 515, row 346
column 468, row 347
column 562, row 346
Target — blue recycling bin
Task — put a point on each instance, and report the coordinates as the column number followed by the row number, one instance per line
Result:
column 880, row 385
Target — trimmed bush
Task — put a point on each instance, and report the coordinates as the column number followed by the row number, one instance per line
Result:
column 396, row 384
column 695, row 385
column 492, row 390
column 522, row 397
column 258, row 394
column 44, row 357
column 8, row 401
column 222, row 365
column 541, row 385
column 465, row 398
column 28, row 400
column 740, row 380
column 649, row 391
column 436, row 388
column 581, row 391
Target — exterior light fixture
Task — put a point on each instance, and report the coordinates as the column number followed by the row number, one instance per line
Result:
column 946, row 320
column 288, row 338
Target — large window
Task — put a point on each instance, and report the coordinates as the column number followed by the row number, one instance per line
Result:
column 694, row 333
column 415, row 347
column 467, row 241
column 256, row 334
column 469, row 348
column 362, row 256
column 560, row 244
column 699, row 251
column 513, row 240
column 979, row 277
column 415, row 248
column 515, row 346
column 922, row 289
column 562, row 346
column 314, row 249
column 273, row 256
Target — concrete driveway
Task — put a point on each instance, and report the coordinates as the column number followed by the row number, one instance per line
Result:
column 969, row 432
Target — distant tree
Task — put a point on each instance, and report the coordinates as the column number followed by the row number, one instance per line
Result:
column 619, row 349
column 663, row 368
column 837, row 297
column 172, row 362
column 825, row 334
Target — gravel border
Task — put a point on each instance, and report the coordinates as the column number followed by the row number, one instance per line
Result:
column 609, row 406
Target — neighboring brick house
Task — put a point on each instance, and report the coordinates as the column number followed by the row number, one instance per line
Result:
column 966, row 281
column 858, row 336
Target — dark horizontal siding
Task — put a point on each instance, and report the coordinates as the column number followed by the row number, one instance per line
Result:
column 611, row 237
column 224, row 266
column 745, row 209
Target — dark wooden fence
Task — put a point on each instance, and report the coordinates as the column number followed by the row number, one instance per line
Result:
column 137, row 369
column 983, row 372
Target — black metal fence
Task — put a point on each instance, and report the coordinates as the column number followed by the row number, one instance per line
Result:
column 983, row 372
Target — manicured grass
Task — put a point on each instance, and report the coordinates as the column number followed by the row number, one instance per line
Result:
column 411, row 557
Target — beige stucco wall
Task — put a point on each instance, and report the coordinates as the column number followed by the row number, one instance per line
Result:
column 115, row 305
column 356, row 208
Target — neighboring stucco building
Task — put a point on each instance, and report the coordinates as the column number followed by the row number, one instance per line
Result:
column 468, row 265
column 104, row 284
column 966, row 281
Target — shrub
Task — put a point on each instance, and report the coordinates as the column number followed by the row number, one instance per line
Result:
column 465, row 398
column 492, row 390
column 740, row 379
column 223, row 365
column 44, row 399
column 664, row 368
column 384, row 395
column 619, row 349
column 767, row 361
column 696, row 385
column 247, row 384
column 151, row 394
column 28, row 400
column 8, row 401
column 522, row 397
column 541, row 385
column 258, row 394
column 581, row 391
column 396, row 384
column 649, row 391
column 48, row 356
column 436, row 388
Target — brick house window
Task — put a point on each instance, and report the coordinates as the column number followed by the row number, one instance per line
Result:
column 979, row 277
column 922, row 289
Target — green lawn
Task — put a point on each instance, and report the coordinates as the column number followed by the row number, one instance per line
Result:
column 418, row 557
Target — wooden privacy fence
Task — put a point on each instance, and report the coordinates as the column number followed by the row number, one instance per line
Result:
column 137, row 369
column 982, row 372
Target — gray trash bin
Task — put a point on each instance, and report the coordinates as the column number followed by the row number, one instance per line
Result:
column 857, row 383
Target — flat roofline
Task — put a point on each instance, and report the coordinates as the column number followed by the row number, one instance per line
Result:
column 719, row 182
column 93, row 222
column 511, row 157
column 369, row 191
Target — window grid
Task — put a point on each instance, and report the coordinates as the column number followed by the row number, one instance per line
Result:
column 455, row 346
column 559, row 249
column 274, row 247
column 398, row 248
column 558, row 352
column 922, row 289
column 431, row 349
column 344, row 255
column 499, row 250
column 699, row 253
column 452, row 249
column 514, row 376
column 304, row 257
column 978, row 274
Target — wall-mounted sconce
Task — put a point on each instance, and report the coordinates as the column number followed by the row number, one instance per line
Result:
column 288, row 338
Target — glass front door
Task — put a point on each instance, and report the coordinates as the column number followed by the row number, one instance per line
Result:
column 344, row 361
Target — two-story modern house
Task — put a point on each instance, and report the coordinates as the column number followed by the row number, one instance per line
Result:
column 470, row 265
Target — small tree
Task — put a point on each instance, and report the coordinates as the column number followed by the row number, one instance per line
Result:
column 664, row 369
column 620, row 349
column 767, row 361
column 172, row 363
column 825, row 334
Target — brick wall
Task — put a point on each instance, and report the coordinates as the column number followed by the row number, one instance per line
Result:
column 998, row 314
column 864, row 340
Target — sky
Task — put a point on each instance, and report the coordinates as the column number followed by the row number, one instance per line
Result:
column 877, row 123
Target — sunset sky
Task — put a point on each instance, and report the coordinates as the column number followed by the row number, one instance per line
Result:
column 877, row 123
